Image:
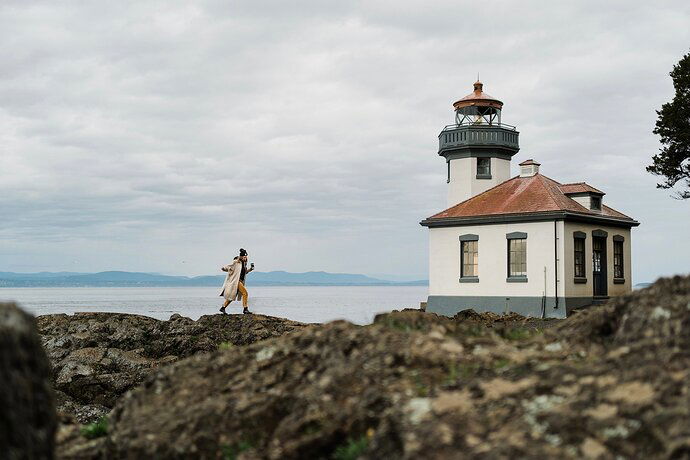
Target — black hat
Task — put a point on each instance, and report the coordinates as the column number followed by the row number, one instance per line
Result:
column 243, row 252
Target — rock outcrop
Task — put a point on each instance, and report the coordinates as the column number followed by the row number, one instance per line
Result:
column 610, row 382
column 97, row 357
column 27, row 415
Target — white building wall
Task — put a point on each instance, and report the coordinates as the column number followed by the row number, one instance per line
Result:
column 587, row 289
column 463, row 178
column 444, row 260
column 460, row 185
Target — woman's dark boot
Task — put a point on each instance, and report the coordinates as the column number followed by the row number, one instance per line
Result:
column 246, row 311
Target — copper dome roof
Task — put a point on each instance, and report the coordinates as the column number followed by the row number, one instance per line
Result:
column 478, row 98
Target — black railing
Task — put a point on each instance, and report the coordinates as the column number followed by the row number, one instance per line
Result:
column 480, row 125
column 467, row 134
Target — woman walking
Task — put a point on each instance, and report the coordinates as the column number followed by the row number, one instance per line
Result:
column 233, row 287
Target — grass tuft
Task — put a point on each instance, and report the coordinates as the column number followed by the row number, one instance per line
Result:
column 398, row 325
column 452, row 375
column 421, row 389
column 352, row 449
column 517, row 334
column 468, row 370
column 501, row 363
column 97, row 429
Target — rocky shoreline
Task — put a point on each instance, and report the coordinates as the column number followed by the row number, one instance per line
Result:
column 610, row 382
column 97, row 357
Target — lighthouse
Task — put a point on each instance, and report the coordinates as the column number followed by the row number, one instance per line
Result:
column 526, row 244
column 478, row 147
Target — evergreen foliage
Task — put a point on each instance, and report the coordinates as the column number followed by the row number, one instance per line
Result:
column 673, row 126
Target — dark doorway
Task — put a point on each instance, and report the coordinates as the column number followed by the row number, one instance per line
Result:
column 599, row 266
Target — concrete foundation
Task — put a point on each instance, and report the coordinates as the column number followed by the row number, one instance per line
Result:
column 527, row 306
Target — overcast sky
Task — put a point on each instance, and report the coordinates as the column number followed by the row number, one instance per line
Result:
column 162, row 136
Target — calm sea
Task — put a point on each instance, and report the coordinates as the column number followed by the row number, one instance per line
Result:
column 311, row 304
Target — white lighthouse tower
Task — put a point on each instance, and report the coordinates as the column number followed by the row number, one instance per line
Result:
column 478, row 147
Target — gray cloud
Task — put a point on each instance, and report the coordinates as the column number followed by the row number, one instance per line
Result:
column 139, row 135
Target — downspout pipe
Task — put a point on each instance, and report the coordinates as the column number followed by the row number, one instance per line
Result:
column 555, row 259
column 543, row 297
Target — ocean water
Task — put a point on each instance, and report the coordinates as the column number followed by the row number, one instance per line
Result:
column 310, row 304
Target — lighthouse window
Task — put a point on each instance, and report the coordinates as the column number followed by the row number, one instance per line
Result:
column 484, row 168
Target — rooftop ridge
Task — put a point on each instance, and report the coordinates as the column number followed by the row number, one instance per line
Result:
column 584, row 188
column 559, row 185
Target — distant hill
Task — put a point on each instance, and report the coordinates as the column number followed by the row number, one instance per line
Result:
column 40, row 275
column 123, row 279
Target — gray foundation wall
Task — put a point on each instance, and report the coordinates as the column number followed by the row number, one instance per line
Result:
column 526, row 306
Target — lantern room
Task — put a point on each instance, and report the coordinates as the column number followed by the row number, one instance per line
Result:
column 478, row 108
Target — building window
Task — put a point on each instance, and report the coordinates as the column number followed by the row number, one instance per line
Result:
column 469, row 259
column 448, row 179
column 618, row 259
column 579, row 257
column 596, row 203
column 484, row 168
column 517, row 257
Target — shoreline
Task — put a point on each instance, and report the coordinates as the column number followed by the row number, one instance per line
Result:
column 411, row 384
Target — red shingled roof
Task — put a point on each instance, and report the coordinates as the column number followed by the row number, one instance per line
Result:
column 579, row 187
column 519, row 195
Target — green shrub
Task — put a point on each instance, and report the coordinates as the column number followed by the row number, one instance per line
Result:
column 96, row 429
column 517, row 334
column 225, row 346
column 352, row 449
column 398, row 325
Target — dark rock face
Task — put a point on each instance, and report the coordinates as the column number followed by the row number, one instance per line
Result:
column 27, row 415
column 97, row 357
column 609, row 382
column 656, row 316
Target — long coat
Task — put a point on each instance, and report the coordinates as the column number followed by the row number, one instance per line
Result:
column 232, row 280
